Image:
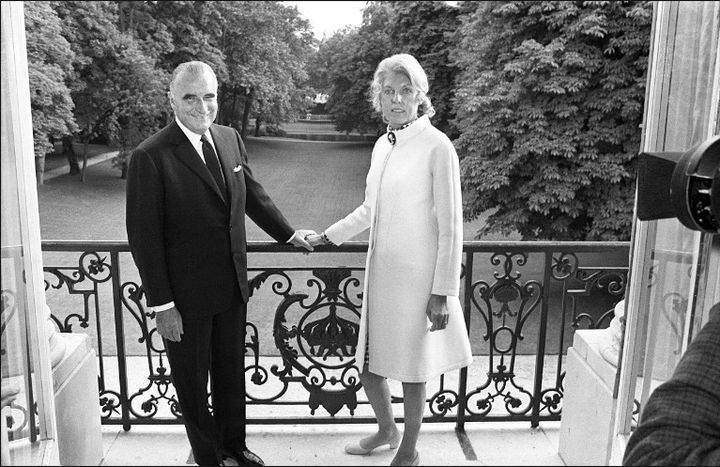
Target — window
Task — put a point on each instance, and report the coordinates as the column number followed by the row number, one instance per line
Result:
column 28, row 423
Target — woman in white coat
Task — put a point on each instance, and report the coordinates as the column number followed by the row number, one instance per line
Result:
column 411, row 326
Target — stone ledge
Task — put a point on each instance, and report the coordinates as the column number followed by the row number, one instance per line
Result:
column 75, row 381
column 588, row 343
column 77, row 346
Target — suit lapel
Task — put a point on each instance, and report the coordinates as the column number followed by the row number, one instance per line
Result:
column 225, row 153
column 185, row 152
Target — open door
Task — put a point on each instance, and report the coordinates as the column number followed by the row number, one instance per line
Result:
column 675, row 263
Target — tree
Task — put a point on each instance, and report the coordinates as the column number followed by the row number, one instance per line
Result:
column 345, row 63
column 265, row 45
column 190, row 39
column 117, row 84
column 549, row 102
column 257, row 49
column 49, row 63
column 322, row 61
column 119, row 56
column 352, row 55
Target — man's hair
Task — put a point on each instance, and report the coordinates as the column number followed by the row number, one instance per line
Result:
column 194, row 68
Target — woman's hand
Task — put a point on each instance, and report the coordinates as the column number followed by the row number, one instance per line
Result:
column 318, row 239
column 437, row 312
column 314, row 240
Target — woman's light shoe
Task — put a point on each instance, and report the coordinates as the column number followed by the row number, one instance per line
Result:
column 357, row 449
column 415, row 460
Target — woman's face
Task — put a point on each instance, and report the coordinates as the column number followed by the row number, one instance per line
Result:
column 398, row 100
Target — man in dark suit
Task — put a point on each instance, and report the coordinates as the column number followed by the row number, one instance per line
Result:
column 189, row 187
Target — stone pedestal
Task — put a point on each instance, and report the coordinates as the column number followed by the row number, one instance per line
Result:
column 588, row 407
column 77, row 410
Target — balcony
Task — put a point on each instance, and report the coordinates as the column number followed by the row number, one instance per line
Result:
column 522, row 303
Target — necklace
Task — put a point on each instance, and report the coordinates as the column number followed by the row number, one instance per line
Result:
column 391, row 131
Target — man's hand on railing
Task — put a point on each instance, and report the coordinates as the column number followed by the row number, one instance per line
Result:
column 169, row 324
column 299, row 239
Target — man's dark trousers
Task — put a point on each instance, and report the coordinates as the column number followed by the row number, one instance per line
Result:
column 221, row 335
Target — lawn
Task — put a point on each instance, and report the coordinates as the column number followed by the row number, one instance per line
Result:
column 314, row 184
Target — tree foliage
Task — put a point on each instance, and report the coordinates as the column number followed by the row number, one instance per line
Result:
column 265, row 47
column 118, row 87
column 549, row 101
column 344, row 64
column 543, row 99
column 49, row 64
column 350, row 58
column 257, row 49
column 111, row 63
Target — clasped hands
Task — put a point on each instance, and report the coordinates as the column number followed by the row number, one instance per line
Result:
column 300, row 239
column 307, row 239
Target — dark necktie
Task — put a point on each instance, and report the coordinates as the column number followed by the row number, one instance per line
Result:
column 213, row 164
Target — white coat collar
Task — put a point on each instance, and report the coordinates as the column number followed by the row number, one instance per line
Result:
column 407, row 133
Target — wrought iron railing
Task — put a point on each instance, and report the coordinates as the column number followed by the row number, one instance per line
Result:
column 522, row 302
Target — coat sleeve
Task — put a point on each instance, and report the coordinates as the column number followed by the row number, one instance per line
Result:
column 144, row 220
column 358, row 220
column 258, row 205
column 351, row 225
column 448, row 210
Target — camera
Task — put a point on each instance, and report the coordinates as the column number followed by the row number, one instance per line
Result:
column 682, row 185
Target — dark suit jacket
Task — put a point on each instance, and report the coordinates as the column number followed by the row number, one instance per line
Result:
column 187, row 240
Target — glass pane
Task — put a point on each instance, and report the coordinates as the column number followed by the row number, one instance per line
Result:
column 682, row 99
column 17, row 392
column 20, row 357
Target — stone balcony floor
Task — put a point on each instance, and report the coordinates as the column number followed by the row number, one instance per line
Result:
column 486, row 443
column 491, row 443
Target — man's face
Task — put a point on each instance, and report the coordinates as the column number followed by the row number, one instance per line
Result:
column 194, row 101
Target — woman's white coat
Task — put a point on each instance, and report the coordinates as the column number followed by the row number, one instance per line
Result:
column 413, row 209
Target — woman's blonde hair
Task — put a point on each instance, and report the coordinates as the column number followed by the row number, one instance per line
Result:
column 407, row 65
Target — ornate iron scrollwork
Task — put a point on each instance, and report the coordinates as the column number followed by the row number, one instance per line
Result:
column 312, row 335
column 321, row 346
column 517, row 303
column 83, row 279
column 144, row 402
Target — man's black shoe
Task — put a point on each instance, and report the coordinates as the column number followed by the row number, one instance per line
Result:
column 245, row 457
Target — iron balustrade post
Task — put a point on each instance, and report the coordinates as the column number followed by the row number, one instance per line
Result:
column 120, row 340
column 465, row 443
column 540, row 360
column 467, row 303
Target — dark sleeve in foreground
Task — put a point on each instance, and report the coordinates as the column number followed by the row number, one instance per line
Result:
column 680, row 424
column 258, row 205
